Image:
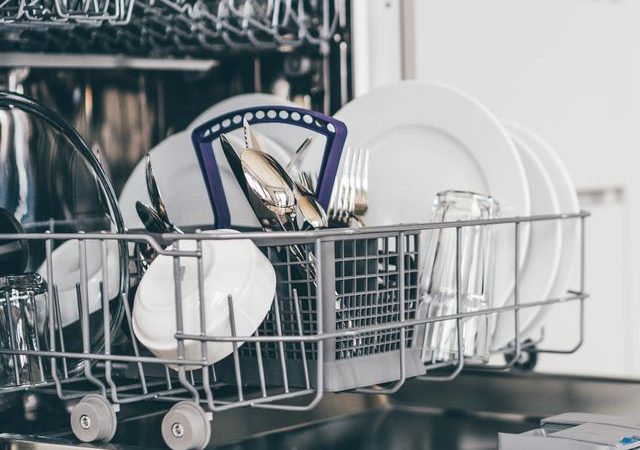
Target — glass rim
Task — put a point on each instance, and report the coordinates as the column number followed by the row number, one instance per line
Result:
column 32, row 281
column 467, row 195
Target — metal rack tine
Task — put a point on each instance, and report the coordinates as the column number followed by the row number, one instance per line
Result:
column 303, row 352
column 283, row 361
column 58, row 324
column 134, row 341
column 82, row 290
column 177, row 279
column 236, row 358
column 263, row 387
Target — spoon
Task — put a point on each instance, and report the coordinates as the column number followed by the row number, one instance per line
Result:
column 264, row 179
column 153, row 224
column 268, row 220
column 315, row 216
column 152, row 221
column 270, row 191
column 272, row 185
column 156, row 198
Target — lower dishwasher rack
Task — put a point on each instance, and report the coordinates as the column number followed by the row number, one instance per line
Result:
column 343, row 319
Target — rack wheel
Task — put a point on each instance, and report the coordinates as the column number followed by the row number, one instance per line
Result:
column 527, row 360
column 94, row 419
column 186, row 427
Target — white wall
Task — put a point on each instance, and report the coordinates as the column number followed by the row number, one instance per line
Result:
column 570, row 70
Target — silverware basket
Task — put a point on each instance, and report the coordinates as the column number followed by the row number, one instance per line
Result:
column 371, row 286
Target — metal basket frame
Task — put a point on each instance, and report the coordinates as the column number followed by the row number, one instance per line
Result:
column 166, row 26
column 103, row 372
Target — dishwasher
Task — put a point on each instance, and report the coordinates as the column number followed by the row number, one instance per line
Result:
column 337, row 360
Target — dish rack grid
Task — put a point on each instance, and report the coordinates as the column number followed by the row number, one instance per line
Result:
column 169, row 27
column 350, row 326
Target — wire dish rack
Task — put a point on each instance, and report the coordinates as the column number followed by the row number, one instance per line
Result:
column 349, row 324
column 167, row 27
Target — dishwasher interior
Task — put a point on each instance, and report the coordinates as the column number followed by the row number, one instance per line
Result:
column 128, row 74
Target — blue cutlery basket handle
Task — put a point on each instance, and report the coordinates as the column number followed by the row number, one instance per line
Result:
column 204, row 135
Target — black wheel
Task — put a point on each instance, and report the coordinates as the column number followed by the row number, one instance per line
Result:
column 527, row 360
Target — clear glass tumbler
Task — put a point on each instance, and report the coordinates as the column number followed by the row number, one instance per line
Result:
column 23, row 314
column 438, row 281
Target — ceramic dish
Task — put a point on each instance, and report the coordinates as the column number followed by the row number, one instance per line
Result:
column 426, row 138
column 233, row 267
column 543, row 258
column 66, row 273
column 568, row 203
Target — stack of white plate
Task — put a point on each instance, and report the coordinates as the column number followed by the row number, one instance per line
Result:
column 423, row 138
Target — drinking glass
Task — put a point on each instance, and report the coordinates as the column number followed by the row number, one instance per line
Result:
column 23, row 314
column 439, row 285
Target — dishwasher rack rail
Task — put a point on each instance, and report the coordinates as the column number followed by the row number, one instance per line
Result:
column 345, row 318
column 175, row 28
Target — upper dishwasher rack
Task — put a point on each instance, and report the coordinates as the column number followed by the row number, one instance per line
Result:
column 167, row 27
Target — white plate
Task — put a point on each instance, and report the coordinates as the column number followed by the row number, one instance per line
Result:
column 426, row 138
column 568, row 202
column 180, row 179
column 545, row 244
column 66, row 273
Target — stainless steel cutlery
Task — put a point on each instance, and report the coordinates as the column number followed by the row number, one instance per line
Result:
column 156, row 200
column 349, row 198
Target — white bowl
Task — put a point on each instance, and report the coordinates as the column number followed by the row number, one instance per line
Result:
column 66, row 273
column 230, row 267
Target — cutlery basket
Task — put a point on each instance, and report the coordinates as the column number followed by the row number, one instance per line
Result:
column 364, row 282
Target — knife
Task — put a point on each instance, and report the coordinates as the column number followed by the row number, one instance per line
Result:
column 251, row 139
column 267, row 218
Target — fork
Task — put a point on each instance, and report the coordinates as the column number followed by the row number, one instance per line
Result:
column 349, row 198
column 361, row 182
